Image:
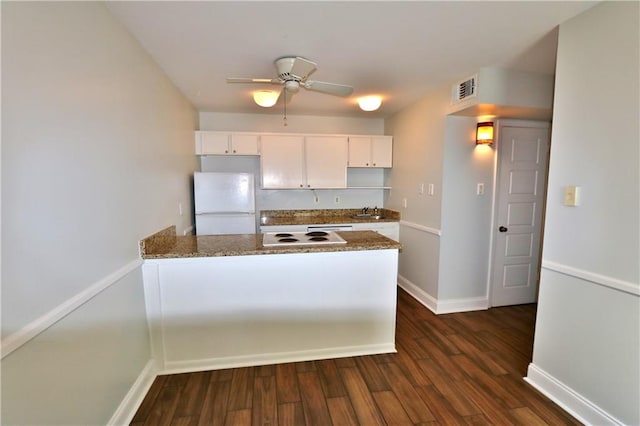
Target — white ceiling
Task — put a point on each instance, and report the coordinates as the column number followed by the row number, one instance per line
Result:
column 400, row 50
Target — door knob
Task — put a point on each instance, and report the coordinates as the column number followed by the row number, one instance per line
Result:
column 502, row 229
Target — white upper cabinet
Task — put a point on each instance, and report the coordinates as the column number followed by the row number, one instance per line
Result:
column 326, row 161
column 226, row 143
column 282, row 161
column 299, row 162
column 244, row 144
column 370, row 151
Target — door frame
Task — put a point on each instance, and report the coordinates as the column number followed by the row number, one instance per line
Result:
column 498, row 125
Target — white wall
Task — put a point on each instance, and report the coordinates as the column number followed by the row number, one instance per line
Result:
column 295, row 123
column 446, row 237
column 587, row 338
column 509, row 93
column 97, row 153
column 418, row 134
column 507, row 87
column 270, row 199
column 418, row 150
column 466, row 216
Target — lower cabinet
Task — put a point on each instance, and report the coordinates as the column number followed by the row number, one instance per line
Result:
column 388, row 229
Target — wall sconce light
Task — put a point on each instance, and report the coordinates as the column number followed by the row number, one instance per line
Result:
column 265, row 98
column 484, row 133
column 370, row 103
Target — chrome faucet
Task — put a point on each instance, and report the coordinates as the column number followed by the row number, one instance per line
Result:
column 376, row 212
column 365, row 210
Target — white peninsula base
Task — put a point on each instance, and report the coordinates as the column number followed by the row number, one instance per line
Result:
column 220, row 312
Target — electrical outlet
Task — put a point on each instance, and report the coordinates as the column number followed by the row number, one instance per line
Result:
column 337, row 199
column 421, row 189
column 431, row 190
column 316, row 199
column 180, row 209
column 404, row 203
column 480, row 189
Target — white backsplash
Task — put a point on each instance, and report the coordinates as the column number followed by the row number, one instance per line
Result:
column 298, row 199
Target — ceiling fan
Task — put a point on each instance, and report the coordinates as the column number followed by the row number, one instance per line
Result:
column 293, row 73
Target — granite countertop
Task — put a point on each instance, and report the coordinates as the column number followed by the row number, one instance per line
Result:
column 321, row 217
column 166, row 245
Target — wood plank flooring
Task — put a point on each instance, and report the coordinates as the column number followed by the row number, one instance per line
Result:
column 455, row 369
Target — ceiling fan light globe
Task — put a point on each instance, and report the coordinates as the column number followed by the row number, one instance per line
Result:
column 265, row 98
column 292, row 86
column 370, row 103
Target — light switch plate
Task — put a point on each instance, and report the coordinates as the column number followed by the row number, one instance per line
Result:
column 572, row 196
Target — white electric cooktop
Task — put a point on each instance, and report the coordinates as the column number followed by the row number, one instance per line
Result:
column 274, row 239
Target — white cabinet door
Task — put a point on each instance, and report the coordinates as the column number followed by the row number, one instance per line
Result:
column 212, row 143
column 281, row 160
column 359, row 151
column 244, row 144
column 326, row 161
column 370, row 151
column 226, row 143
column 381, row 151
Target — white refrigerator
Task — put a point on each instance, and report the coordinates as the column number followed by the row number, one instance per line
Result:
column 224, row 203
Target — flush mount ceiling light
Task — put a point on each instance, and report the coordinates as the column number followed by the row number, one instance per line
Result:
column 484, row 133
column 370, row 103
column 265, row 98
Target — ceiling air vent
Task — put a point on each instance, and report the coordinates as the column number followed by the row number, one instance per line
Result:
column 464, row 89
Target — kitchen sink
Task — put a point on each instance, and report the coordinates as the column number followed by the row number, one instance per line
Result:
column 368, row 217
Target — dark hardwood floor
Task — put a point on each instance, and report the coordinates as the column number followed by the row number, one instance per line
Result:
column 463, row 368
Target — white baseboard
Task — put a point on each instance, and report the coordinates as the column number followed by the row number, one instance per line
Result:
column 177, row 367
column 442, row 306
column 132, row 400
column 462, row 305
column 570, row 401
column 419, row 294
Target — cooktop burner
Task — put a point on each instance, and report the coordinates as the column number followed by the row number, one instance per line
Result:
column 317, row 234
column 272, row 239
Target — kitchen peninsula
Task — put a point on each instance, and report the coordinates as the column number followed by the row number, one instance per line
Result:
column 222, row 301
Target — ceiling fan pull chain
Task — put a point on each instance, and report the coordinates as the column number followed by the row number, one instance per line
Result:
column 284, row 90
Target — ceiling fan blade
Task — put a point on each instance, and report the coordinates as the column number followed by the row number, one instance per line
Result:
column 302, row 68
column 252, row 80
column 330, row 88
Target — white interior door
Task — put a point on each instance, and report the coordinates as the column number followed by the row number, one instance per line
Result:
column 522, row 172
